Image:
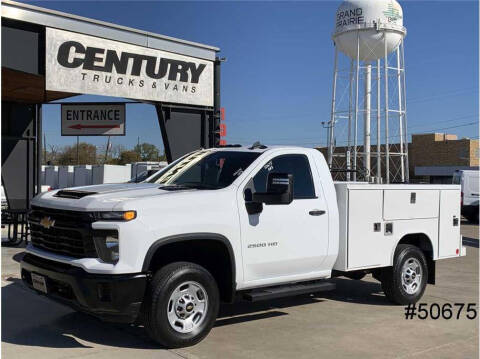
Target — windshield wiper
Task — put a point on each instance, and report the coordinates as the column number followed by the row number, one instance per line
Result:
column 173, row 187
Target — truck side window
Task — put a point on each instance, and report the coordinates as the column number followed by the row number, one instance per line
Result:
column 297, row 165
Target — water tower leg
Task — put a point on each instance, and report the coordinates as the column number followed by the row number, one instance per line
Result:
column 405, row 137
column 400, row 117
column 379, row 142
column 331, row 127
column 387, row 149
column 349, row 138
column 357, row 70
column 367, row 107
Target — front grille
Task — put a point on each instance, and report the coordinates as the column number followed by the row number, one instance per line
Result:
column 69, row 235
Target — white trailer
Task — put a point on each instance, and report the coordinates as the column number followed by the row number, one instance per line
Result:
column 82, row 175
column 110, row 174
column 65, row 176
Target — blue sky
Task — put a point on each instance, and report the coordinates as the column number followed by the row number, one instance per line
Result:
column 276, row 84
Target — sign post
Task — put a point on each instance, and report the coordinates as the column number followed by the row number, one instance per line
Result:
column 78, row 154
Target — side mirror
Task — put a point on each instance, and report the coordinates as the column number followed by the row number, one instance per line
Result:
column 279, row 190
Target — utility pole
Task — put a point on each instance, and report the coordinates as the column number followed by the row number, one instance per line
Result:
column 106, row 150
column 45, row 148
column 78, row 155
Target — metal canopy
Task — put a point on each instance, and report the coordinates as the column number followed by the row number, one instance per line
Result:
column 60, row 20
column 183, row 128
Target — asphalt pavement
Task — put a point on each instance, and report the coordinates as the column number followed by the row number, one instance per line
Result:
column 354, row 321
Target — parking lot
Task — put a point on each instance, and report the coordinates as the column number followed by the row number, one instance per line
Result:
column 354, row 321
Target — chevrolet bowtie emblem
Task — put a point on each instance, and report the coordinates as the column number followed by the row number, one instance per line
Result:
column 47, row 222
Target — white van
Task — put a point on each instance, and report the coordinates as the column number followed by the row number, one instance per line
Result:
column 470, row 192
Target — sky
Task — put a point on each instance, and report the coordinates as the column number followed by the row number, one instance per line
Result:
column 277, row 81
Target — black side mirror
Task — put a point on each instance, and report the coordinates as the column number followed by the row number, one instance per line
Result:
column 279, row 190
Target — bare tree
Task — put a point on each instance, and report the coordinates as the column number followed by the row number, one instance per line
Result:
column 51, row 156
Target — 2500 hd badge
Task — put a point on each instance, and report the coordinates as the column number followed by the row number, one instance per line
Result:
column 263, row 244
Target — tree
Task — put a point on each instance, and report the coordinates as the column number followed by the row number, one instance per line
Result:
column 116, row 150
column 87, row 154
column 147, row 152
column 113, row 155
column 162, row 157
column 51, row 157
column 128, row 157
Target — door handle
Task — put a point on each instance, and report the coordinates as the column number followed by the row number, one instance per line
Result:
column 316, row 212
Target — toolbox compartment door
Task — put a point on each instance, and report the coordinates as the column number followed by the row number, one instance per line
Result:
column 449, row 224
column 367, row 245
column 410, row 204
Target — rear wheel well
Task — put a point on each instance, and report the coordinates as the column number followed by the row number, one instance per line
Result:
column 419, row 240
column 213, row 255
column 422, row 241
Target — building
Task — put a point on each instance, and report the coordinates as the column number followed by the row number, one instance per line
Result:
column 432, row 158
column 43, row 60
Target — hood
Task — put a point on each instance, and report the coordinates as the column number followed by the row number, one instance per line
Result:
column 99, row 197
column 110, row 188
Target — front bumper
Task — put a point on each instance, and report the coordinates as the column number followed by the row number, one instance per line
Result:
column 111, row 297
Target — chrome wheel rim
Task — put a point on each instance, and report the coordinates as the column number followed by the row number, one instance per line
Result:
column 187, row 307
column 412, row 276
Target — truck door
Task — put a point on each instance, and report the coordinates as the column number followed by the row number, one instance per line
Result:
column 284, row 242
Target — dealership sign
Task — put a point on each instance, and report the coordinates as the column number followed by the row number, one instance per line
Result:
column 85, row 64
column 93, row 119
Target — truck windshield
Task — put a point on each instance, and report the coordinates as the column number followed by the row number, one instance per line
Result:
column 206, row 169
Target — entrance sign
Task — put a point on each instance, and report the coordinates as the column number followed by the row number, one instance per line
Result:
column 86, row 64
column 93, row 119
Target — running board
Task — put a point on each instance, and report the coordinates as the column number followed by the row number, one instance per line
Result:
column 287, row 291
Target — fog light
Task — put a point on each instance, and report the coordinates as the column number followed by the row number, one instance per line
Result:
column 107, row 245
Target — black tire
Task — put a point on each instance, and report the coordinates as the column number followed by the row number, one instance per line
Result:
column 473, row 218
column 391, row 277
column 164, row 282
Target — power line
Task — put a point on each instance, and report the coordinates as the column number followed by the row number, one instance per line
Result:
column 313, row 138
column 294, row 141
column 456, row 92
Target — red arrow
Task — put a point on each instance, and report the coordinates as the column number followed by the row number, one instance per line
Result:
column 79, row 127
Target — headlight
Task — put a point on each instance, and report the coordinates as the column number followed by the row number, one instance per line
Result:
column 107, row 246
column 115, row 216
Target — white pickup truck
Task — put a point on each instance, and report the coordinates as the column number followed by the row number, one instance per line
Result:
column 221, row 224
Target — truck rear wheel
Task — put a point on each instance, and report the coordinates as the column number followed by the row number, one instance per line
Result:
column 181, row 305
column 406, row 280
column 472, row 217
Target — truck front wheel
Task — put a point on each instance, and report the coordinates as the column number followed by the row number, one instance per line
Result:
column 181, row 305
column 406, row 280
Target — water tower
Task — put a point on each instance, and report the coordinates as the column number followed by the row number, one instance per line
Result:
column 369, row 69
